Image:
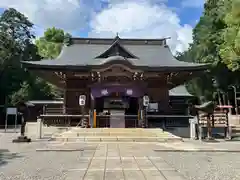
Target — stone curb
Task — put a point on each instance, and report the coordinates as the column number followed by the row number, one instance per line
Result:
column 122, row 139
column 196, row 150
column 58, row 150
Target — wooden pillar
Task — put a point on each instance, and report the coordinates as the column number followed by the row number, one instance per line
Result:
column 64, row 101
column 94, row 118
column 91, row 110
column 209, row 126
column 140, row 108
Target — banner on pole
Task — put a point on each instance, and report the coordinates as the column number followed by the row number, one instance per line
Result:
column 11, row 111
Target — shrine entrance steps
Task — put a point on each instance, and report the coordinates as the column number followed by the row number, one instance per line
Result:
column 116, row 135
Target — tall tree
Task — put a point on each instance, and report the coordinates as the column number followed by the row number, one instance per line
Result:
column 207, row 41
column 50, row 45
column 230, row 49
column 15, row 46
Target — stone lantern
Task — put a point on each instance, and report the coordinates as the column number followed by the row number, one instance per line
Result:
column 24, row 111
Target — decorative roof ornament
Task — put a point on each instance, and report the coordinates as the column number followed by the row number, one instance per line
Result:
column 129, row 92
column 104, row 92
column 116, row 38
column 116, row 49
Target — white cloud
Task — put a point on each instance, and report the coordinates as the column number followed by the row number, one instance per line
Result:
column 142, row 20
column 193, row 3
column 130, row 18
column 67, row 14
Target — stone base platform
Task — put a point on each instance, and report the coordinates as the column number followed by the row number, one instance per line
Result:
column 22, row 139
column 115, row 135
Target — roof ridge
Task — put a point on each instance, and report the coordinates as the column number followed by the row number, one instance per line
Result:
column 124, row 41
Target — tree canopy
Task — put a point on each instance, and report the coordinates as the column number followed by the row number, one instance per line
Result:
column 16, row 45
column 215, row 41
column 230, row 48
column 50, row 45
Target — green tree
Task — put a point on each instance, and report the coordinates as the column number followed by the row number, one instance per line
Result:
column 207, row 40
column 50, row 45
column 15, row 46
column 230, row 49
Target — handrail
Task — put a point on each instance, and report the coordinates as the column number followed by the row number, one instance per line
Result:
column 63, row 115
column 116, row 115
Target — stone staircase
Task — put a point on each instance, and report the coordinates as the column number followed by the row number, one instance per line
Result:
column 115, row 135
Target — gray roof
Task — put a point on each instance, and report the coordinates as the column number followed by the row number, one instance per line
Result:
column 149, row 54
column 180, row 91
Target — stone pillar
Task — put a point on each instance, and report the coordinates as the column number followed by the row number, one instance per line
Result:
column 39, row 128
column 193, row 122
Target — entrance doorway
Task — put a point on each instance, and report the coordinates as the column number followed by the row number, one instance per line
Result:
column 117, row 112
column 131, row 113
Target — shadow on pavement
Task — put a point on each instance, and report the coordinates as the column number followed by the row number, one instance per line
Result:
column 6, row 156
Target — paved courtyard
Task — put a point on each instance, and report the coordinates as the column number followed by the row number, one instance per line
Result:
column 111, row 161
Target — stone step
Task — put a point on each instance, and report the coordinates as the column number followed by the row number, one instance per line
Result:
column 115, row 134
column 111, row 134
column 116, row 130
column 133, row 136
column 117, row 139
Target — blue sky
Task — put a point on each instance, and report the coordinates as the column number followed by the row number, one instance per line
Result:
column 105, row 18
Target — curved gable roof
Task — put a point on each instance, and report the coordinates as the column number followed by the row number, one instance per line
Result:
column 150, row 53
column 116, row 49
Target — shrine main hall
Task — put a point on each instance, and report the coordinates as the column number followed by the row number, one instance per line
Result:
column 115, row 74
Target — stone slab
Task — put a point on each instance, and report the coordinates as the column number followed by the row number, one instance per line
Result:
column 92, row 139
column 114, row 175
column 113, row 164
column 70, row 175
column 129, row 163
column 94, row 175
column 161, row 165
column 97, row 164
column 108, row 139
column 153, row 175
column 124, row 139
column 169, row 175
column 145, row 164
column 134, row 174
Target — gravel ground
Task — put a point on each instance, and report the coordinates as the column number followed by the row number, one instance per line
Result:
column 205, row 166
column 22, row 162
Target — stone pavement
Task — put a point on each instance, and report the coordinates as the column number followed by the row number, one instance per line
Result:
column 111, row 160
column 200, row 146
column 96, row 161
column 122, row 161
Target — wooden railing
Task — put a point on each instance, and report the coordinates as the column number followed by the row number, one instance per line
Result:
column 61, row 110
column 217, row 119
column 62, row 119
